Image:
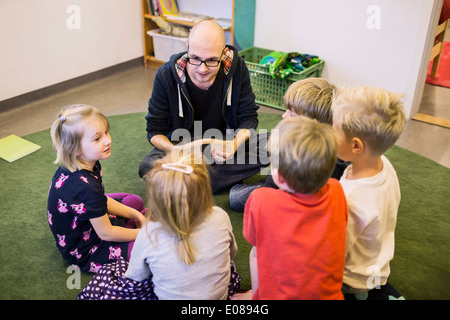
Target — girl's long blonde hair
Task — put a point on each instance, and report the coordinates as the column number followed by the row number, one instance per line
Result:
column 179, row 200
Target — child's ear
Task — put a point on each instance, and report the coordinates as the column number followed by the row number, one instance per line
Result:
column 357, row 145
column 280, row 182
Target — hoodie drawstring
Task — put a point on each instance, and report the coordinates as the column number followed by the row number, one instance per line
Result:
column 180, row 105
column 229, row 93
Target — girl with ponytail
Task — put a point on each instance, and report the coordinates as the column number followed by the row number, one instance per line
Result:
column 187, row 245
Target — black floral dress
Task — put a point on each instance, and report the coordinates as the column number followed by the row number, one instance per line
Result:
column 73, row 199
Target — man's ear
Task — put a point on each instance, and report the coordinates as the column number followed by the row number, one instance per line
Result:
column 358, row 145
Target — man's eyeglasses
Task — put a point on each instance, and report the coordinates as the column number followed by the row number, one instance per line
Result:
column 208, row 62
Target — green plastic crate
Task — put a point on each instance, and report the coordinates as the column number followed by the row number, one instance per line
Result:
column 270, row 91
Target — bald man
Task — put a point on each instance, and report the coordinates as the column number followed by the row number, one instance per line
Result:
column 205, row 90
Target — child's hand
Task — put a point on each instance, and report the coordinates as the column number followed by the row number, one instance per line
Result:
column 139, row 220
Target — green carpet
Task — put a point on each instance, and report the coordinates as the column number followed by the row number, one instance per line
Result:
column 31, row 267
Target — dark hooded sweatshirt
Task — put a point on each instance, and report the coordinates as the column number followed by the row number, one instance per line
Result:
column 170, row 106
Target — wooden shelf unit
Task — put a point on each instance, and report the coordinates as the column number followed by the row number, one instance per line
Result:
column 148, row 24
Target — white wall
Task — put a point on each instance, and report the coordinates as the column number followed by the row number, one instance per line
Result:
column 367, row 42
column 37, row 49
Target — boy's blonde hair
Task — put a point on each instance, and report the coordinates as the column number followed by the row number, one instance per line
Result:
column 311, row 97
column 304, row 152
column 67, row 131
column 372, row 114
column 179, row 201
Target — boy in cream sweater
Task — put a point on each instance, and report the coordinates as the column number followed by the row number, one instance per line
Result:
column 368, row 121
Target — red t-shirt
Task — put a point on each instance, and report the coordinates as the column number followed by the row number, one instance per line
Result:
column 300, row 242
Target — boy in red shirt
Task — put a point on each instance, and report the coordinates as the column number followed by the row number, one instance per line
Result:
column 298, row 231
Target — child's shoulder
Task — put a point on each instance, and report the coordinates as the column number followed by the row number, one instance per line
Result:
column 334, row 184
column 217, row 211
column 79, row 176
column 267, row 195
column 267, row 191
column 74, row 182
column 219, row 214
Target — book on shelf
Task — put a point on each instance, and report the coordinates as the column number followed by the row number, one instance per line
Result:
column 150, row 7
column 187, row 16
column 13, row 147
column 153, row 7
column 168, row 7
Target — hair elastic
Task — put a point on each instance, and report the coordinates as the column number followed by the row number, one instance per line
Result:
column 180, row 167
column 62, row 118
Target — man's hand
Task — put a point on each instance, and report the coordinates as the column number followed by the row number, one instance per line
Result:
column 192, row 148
column 222, row 150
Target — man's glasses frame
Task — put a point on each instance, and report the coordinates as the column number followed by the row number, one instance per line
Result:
column 208, row 62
